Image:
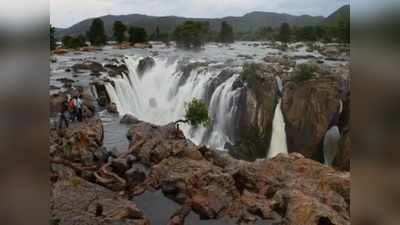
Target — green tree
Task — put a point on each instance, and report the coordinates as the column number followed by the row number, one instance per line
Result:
column 73, row 42
column 196, row 113
column 119, row 30
column 137, row 35
column 53, row 44
column 157, row 35
column 285, row 33
column 96, row 33
column 343, row 31
column 307, row 33
column 226, row 34
column 191, row 34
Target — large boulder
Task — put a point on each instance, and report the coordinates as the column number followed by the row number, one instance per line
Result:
column 145, row 65
column 256, row 111
column 310, row 105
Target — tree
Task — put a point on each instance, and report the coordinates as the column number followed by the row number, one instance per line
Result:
column 53, row 44
column 307, row 33
column 157, row 35
column 96, row 33
column 73, row 42
column 191, row 34
column 343, row 31
column 226, row 34
column 196, row 113
column 119, row 30
column 285, row 33
column 137, row 35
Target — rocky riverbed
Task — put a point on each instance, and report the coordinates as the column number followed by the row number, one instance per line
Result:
column 112, row 169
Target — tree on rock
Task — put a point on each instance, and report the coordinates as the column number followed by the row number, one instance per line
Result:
column 226, row 34
column 96, row 33
column 196, row 113
column 285, row 33
column 73, row 42
column 119, row 30
column 137, row 35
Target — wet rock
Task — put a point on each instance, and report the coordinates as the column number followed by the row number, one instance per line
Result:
column 136, row 174
column 119, row 165
column 92, row 66
column 153, row 103
column 114, row 70
column 112, row 108
column 145, row 65
column 129, row 119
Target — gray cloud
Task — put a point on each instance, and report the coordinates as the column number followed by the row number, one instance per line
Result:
column 64, row 13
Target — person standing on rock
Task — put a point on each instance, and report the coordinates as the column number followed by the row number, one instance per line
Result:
column 79, row 106
column 63, row 115
column 72, row 108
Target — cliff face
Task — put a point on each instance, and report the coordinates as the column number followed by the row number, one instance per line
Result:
column 309, row 108
column 256, row 112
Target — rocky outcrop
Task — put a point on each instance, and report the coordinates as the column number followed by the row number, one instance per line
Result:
column 145, row 65
column 77, row 201
column 94, row 67
column 256, row 111
column 310, row 105
column 81, row 142
column 289, row 189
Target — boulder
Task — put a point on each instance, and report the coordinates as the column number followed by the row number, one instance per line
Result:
column 129, row 119
column 94, row 67
column 112, row 108
column 145, row 65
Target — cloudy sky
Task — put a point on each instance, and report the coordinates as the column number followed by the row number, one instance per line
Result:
column 64, row 13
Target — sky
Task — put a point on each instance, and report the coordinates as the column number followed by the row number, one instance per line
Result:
column 65, row 13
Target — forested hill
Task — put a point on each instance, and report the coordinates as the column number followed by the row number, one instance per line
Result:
column 249, row 22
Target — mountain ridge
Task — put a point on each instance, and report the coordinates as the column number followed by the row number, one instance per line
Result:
column 248, row 22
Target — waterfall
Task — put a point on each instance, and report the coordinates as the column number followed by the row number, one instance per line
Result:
column 159, row 97
column 278, row 139
column 331, row 142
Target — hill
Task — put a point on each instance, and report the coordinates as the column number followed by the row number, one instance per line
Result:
column 343, row 13
column 249, row 22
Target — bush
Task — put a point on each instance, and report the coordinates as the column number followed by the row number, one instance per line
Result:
column 304, row 72
column 197, row 113
column 73, row 42
column 249, row 73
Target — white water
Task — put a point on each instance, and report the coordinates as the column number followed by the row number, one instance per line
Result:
column 161, row 87
column 331, row 142
column 278, row 139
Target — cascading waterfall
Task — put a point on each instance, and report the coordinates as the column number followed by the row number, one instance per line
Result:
column 331, row 142
column 159, row 97
column 332, row 138
column 278, row 139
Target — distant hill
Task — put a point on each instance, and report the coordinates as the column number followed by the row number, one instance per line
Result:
column 249, row 22
column 343, row 13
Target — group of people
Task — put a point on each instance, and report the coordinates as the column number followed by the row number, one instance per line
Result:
column 71, row 110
